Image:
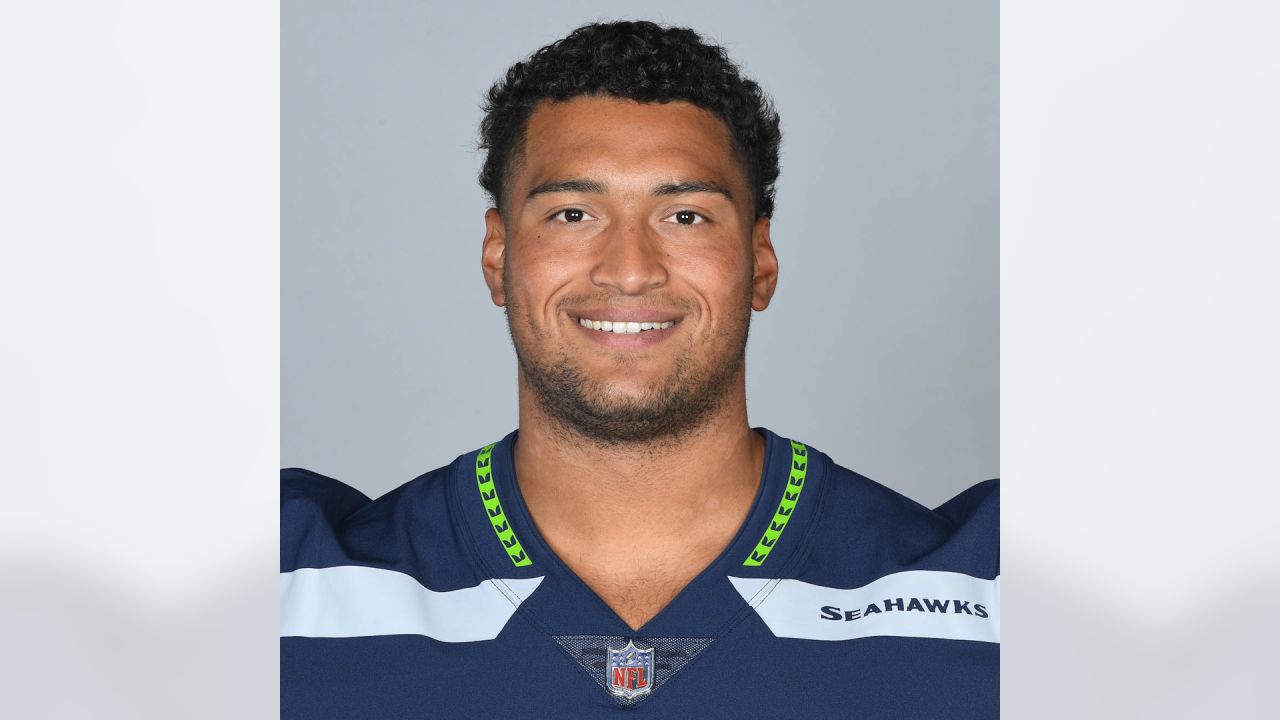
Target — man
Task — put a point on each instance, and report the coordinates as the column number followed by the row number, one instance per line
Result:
column 636, row 545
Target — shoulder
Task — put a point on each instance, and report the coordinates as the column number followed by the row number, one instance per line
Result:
column 868, row 529
column 307, row 498
column 975, row 511
column 325, row 523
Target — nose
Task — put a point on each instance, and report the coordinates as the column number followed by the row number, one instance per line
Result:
column 631, row 260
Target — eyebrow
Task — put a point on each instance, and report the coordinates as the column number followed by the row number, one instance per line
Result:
column 692, row 186
column 586, row 185
column 575, row 185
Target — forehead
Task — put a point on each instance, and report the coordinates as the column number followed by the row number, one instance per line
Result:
column 612, row 137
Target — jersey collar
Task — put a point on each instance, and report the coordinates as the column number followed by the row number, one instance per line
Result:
column 508, row 545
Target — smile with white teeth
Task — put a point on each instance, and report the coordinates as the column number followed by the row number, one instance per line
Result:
column 624, row 327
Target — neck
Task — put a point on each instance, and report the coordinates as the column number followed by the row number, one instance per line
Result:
column 578, row 489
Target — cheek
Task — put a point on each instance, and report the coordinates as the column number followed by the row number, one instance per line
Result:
column 721, row 281
column 536, row 276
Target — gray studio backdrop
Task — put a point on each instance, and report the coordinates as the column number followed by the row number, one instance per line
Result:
column 881, row 347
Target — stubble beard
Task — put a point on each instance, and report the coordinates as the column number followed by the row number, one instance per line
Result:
column 677, row 406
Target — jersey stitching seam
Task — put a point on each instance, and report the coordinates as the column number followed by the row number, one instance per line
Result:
column 505, row 590
column 764, row 590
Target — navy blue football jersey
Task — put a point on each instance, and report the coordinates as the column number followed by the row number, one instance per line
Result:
column 838, row 598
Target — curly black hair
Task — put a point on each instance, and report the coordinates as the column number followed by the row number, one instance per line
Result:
column 640, row 61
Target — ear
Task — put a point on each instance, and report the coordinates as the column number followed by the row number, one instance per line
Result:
column 765, row 278
column 493, row 255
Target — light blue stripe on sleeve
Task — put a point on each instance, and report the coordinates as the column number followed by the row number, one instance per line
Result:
column 912, row 603
column 356, row 601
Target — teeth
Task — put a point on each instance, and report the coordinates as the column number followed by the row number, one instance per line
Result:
column 624, row 328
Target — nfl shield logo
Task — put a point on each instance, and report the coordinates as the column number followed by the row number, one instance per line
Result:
column 630, row 671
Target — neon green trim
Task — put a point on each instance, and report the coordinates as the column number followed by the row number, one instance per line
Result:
column 493, row 508
column 790, row 494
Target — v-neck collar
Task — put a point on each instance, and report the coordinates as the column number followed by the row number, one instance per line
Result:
column 707, row 604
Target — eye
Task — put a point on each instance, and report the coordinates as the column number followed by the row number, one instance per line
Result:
column 571, row 215
column 685, row 217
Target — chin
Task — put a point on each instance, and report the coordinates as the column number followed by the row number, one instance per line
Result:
column 617, row 396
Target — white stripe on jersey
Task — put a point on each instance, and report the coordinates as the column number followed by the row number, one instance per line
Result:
column 355, row 601
column 912, row 603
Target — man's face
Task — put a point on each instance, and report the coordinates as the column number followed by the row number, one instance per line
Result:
column 629, row 262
